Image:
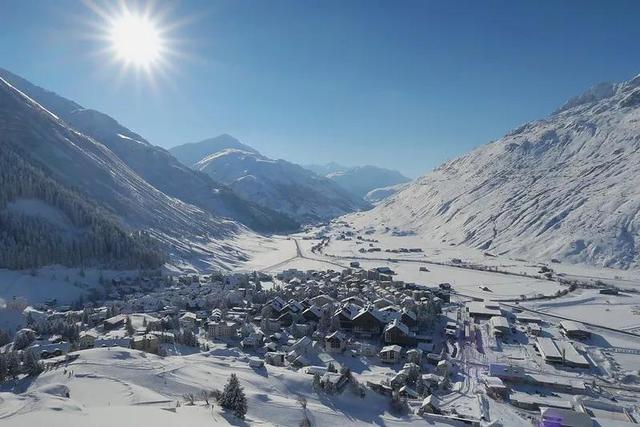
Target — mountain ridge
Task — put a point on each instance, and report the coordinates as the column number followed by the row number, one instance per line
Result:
column 566, row 187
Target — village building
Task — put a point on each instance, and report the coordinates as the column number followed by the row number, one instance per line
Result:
column 148, row 342
column 574, row 330
column 368, row 322
column 222, row 329
column 87, row 339
column 397, row 332
column 335, row 342
column 390, row 354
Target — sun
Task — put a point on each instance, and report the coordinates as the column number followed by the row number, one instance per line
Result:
column 136, row 40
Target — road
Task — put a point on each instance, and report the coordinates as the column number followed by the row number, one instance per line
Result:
column 300, row 255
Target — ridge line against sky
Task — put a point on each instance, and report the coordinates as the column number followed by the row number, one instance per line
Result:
column 405, row 86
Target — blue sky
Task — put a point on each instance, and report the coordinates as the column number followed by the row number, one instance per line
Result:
column 404, row 84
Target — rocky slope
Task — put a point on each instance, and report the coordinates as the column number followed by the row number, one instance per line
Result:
column 565, row 187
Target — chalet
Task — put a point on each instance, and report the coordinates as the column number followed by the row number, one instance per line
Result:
column 390, row 354
column 409, row 318
column 414, row 355
column 346, row 315
column 368, row 322
column 397, row 332
column 188, row 320
column 293, row 307
column 269, row 326
column 115, row 322
column 112, row 342
column 87, row 339
column 312, row 314
column 222, row 329
column 301, row 346
column 286, row 319
column 429, row 406
column 335, row 342
column 254, row 340
column 148, row 342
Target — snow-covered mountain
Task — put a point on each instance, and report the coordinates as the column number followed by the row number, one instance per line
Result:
column 276, row 184
column 377, row 195
column 565, row 187
column 154, row 164
column 68, row 164
column 359, row 180
column 192, row 152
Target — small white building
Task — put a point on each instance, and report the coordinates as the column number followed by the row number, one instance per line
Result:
column 390, row 354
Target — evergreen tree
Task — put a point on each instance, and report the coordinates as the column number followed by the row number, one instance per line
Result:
column 233, row 397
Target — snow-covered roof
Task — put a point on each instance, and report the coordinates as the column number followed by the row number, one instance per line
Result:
column 391, row 348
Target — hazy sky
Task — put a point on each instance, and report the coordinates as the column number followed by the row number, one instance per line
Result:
column 400, row 84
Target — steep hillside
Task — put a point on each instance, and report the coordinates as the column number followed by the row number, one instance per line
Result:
column 377, row 195
column 565, row 187
column 154, row 164
column 279, row 185
column 66, row 164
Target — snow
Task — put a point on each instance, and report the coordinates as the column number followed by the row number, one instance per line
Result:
column 564, row 187
column 128, row 387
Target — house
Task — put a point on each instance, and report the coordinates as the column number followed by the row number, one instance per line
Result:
column 275, row 358
column 406, row 391
column 269, row 326
column 286, row 319
column 368, row 322
column 397, row 332
column 366, row 349
column 87, row 339
column 312, row 314
column 148, row 342
column 188, row 320
column 479, row 309
column 429, row 406
column 414, row 356
column 345, row 315
column 115, row 322
column 574, row 330
column 390, row 354
column 112, row 342
column 302, row 345
column 335, row 342
column 443, row 368
column 409, row 318
column 254, row 340
column 222, row 330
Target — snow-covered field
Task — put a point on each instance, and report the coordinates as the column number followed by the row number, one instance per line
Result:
column 128, row 388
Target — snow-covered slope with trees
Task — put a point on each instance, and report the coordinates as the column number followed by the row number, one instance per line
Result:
column 565, row 187
column 45, row 161
column 276, row 184
column 154, row 164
